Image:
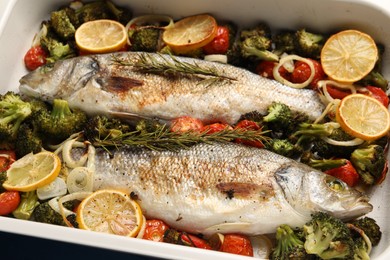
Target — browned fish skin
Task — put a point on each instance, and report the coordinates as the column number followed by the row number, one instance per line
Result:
column 98, row 85
column 224, row 188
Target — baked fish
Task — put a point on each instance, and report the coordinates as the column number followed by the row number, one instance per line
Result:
column 146, row 85
column 226, row 188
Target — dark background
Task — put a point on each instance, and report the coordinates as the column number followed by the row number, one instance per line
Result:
column 15, row 247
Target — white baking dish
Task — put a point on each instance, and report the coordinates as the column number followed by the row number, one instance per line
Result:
column 20, row 19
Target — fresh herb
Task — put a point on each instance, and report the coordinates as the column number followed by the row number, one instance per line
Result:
column 163, row 139
column 172, row 67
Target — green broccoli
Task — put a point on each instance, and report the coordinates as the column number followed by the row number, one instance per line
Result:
column 44, row 213
column 375, row 78
column 328, row 237
column 327, row 150
column 28, row 202
column 279, row 114
column 145, row 39
column 369, row 162
column 256, row 43
column 308, row 44
column 28, row 140
column 288, row 245
column 13, row 111
column 61, row 121
column 103, row 10
column 62, row 25
column 370, row 228
column 284, row 147
column 284, row 42
column 56, row 49
column 325, row 164
column 102, row 127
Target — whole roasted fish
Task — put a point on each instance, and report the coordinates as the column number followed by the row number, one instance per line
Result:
column 225, row 188
column 155, row 85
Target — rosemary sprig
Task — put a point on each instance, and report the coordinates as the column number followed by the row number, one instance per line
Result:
column 172, row 66
column 163, row 139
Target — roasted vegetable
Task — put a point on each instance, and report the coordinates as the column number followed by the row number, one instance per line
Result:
column 28, row 202
column 308, row 44
column 288, row 245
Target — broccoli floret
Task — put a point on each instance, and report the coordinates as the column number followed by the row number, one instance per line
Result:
column 284, row 42
column 369, row 162
column 103, row 10
column 279, row 114
column 327, row 150
column 288, row 245
column 56, row 49
column 325, row 164
column 44, row 213
column 284, row 147
column 28, row 140
column 28, row 202
column 120, row 14
column 328, row 237
column 61, row 121
column 375, row 78
column 102, row 128
column 145, row 39
column 309, row 44
column 13, row 111
column 258, row 47
column 370, row 228
column 62, row 25
column 255, row 43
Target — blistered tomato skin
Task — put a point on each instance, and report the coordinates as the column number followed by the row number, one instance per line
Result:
column 186, row 123
column 220, row 43
column 9, row 201
column 302, row 73
column 237, row 244
column 265, row 69
column 216, row 127
column 35, row 57
column 155, row 230
column 379, row 95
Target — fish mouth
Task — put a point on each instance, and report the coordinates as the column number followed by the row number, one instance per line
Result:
column 360, row 208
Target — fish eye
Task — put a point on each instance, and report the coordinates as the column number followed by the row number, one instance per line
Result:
column 335, row 184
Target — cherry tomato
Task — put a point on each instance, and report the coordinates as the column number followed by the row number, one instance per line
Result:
column 9, row 201
column 336, row 92
column 194, row 241
column 237, row 244
column 265, row 69
column 216, row 127
column 302, row 72
column 220, row 43
column 347, row 173
column 249, row 125
column 7, row 157
column 186, row 123
column 35, row 57
column 155, row 230
column 379, row 95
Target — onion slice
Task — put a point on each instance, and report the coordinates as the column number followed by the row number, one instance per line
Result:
column 287, row 59
column 66, row 212
column 353, row 142
column 54, row 189
column 80, row 179
column 216, row 58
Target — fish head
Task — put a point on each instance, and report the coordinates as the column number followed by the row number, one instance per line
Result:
column 59, row 79
column 309, row 190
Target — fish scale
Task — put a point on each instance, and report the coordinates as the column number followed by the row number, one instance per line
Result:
column 226, row 188
column 98, row 85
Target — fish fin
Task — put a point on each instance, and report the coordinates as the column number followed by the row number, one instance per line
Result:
column 225, row 228
column 132, row 117
column 118, row 84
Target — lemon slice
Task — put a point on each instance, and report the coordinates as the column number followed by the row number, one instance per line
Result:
column 33, row 171
column 190, row 33
column 110, row 211
column 101, row 36
column 363, row 117
column 349, row 55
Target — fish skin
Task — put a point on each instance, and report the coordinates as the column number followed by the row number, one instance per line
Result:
column 224, row 188
column 98, row 86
